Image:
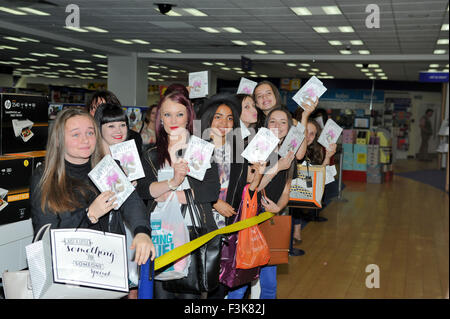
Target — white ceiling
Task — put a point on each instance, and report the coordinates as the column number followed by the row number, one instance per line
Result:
column 402, row 46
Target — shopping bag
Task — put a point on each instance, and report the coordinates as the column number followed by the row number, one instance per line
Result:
column 168, row 232
column 146, row 280
column 78, row 263
column 308, row 187
column 230, row 275
column 17, row 284
column 252, row 249
column 203, row 275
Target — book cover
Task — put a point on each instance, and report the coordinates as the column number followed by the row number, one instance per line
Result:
column 127, row 154
column 108, row 176
column 313, row 89
column 260, row 146
column 198, row 81
column 293, row 140
column 330, row 133
column 198, row 155
column 246, row 86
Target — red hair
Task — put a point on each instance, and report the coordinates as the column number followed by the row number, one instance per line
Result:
column 162, row 142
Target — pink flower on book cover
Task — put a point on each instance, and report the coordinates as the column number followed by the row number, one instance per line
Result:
column 292, row 145
column 311, row 92
column 127, row 162
column 247, row 90
column 261, row 146
column 330, row 135
column 114, row 182
column 197, row 84
column 197, row 159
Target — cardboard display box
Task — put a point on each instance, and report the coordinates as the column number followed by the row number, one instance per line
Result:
column 23, row 123
column 18, row 207
column 359, row 157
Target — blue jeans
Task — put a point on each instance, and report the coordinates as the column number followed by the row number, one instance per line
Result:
column 267, row 280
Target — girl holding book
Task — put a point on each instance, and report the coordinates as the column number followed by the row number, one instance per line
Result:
column 63, row 195
column 113, row 125
column 166, row 171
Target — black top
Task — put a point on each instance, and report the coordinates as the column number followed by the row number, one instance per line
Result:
column 132, row 210
column 132, row 135
column 206, row 192
column 275, row 188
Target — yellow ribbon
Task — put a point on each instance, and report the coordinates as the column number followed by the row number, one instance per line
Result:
column 187, row 248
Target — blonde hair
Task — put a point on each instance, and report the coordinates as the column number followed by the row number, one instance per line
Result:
column 57, row 188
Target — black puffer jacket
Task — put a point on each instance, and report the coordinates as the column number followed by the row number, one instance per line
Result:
column 133, row 210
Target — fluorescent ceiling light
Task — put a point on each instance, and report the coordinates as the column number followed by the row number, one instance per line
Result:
column 240, row 72
column 29, row 39
column 331, row 10
column 304, row 64
column 253, row 76
column 207, row 63
column 257, row 42
column 378, row 70
column 359, row 65
column 301, row 11
column 34, row 11
column 365, row 70
column 381, row 74
column 81, row 61
column 100, row 56
column 96, row 29
column 356, row 42
column 225, row 68
column 237, row 69
column 364, row 52
column 335, row 42
column 195, row 12
column 173, row 71
column 432, row 70
column 315, row 70
column 444, row 27
column 372, row 77
column 291, row 64
column 210, row 30
column 302, row 70
column 239, row 42
column 15, row 39
column 369, row 73
column 12, row 11
column 442, row 41
column 384, row 77
column 77, row 49
column 345, row 52
column 374, row 66
column 63, row 49
column 232, row 30
column 158, row 50
column 251, row 72
column 102, row 65
column 140, row 41
column 220, row 63
column 8, row 47
column 153, row 73
column 439, row 51
column 75, row 29
column 311, row 73
column 346, row 29
column 321, row 29
column 261, row 51
column 433, row 65
column 278, row 51
column 122, row 41
column 173, row 51
column 263, row 76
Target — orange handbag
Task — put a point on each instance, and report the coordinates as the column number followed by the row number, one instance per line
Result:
column 277, row 232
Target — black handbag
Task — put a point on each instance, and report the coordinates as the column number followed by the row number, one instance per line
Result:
column 203, row 273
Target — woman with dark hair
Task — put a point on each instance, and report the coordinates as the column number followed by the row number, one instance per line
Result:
column 63, row 195
column 177, row 87
column 166, row 171
column 113, row 124
column 250, row 114
column 105, row 96
column 267, row 96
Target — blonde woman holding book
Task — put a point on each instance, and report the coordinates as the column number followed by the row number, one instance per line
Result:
column 63, row 195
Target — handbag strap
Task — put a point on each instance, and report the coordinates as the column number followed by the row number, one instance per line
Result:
column 41, row 232
column 193, row 209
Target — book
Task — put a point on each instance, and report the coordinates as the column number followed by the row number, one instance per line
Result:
column 313, row 89
column 246, row 86
column 330, row 133
column 293, row 140
column 198, row 155
column 261, row 146
column 127, row 154
column 108, row 176
column 198, row 81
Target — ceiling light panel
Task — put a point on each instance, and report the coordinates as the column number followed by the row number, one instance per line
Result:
column 33, row 11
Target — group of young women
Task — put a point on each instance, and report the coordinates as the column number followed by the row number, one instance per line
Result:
column 62, row 194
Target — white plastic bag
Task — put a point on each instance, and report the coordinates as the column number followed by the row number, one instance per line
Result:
column 168, row 232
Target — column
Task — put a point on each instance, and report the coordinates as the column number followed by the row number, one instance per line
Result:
column 127, row 79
